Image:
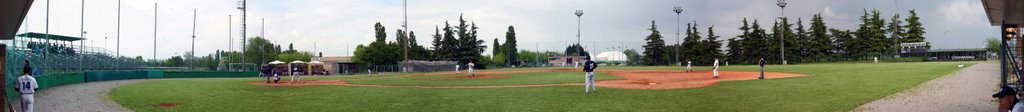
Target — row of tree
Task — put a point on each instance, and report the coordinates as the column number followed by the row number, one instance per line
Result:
column 455, row 43
column 874, row 38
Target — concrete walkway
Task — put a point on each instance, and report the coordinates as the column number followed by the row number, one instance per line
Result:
column 81, row 97
column 967, row 90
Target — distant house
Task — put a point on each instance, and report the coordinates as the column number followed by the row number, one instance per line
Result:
column 565, row 60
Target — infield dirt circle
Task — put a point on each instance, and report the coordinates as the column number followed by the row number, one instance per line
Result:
column 632, row 79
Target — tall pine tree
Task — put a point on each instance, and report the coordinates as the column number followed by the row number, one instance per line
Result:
column 915, row 30
column 654, row 49
column 714, row 46
column 821, row 43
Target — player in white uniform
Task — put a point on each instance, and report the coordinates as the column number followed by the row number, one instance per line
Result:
column 471, row 65
column 27, row 86
column 456, row 68
column 716, row 68
column 688, row 64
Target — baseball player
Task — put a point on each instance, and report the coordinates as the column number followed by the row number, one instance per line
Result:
column 716, row 68
column 27, row 86
column 265, row 72
column 761, row 62
column 295, row 75
column 456, row 68
column 471, row 65
column 688, row 64
column 589, row 67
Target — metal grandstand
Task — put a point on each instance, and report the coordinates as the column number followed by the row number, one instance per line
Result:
column 62, row 54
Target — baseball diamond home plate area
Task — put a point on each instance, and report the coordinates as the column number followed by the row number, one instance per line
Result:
column 632, row 79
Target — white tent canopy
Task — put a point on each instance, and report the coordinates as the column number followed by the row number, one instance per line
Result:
column 316, row 62
column 610, row 56
column 276, row 62
column 297, row 61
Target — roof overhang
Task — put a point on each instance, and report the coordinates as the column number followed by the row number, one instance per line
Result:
column 12, row 13
column 1000, row 11
column 49, row 36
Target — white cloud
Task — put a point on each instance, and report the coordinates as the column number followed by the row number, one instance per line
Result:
column 963, row 12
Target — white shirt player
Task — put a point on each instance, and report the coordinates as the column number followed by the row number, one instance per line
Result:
column 457, row 68
column 470, row 68
column 716, row 68
column 26, row 84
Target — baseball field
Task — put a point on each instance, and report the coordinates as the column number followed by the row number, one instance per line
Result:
column 804, row 87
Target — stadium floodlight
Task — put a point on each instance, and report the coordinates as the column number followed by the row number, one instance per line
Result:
column 579, row 19
column 782, row 36
column 679, row 11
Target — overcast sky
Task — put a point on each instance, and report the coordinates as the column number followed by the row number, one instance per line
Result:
column 337, row 26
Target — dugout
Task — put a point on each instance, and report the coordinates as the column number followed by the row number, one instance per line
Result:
column 316, row 68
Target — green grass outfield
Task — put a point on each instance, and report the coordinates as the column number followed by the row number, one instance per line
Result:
column 513, row 79
column 832, row 87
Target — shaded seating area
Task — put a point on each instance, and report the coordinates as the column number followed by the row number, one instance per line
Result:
column 50, row 43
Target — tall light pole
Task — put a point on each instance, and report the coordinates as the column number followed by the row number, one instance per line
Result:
column 47, row 28
column 405, row 45
column 118, row 50
column 230, row 39
column 192, row 63
column 155, row 6
column 242, row 7
column 782, row 35
column 579, row 19
column 263, row 29
column 896, row 32
column 679, row 11
column 82, row 28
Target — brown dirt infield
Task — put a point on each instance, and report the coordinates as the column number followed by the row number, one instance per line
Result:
column 632, row 79
column 470, row 77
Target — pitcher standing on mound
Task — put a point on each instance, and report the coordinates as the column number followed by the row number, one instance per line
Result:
column 716, row 68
